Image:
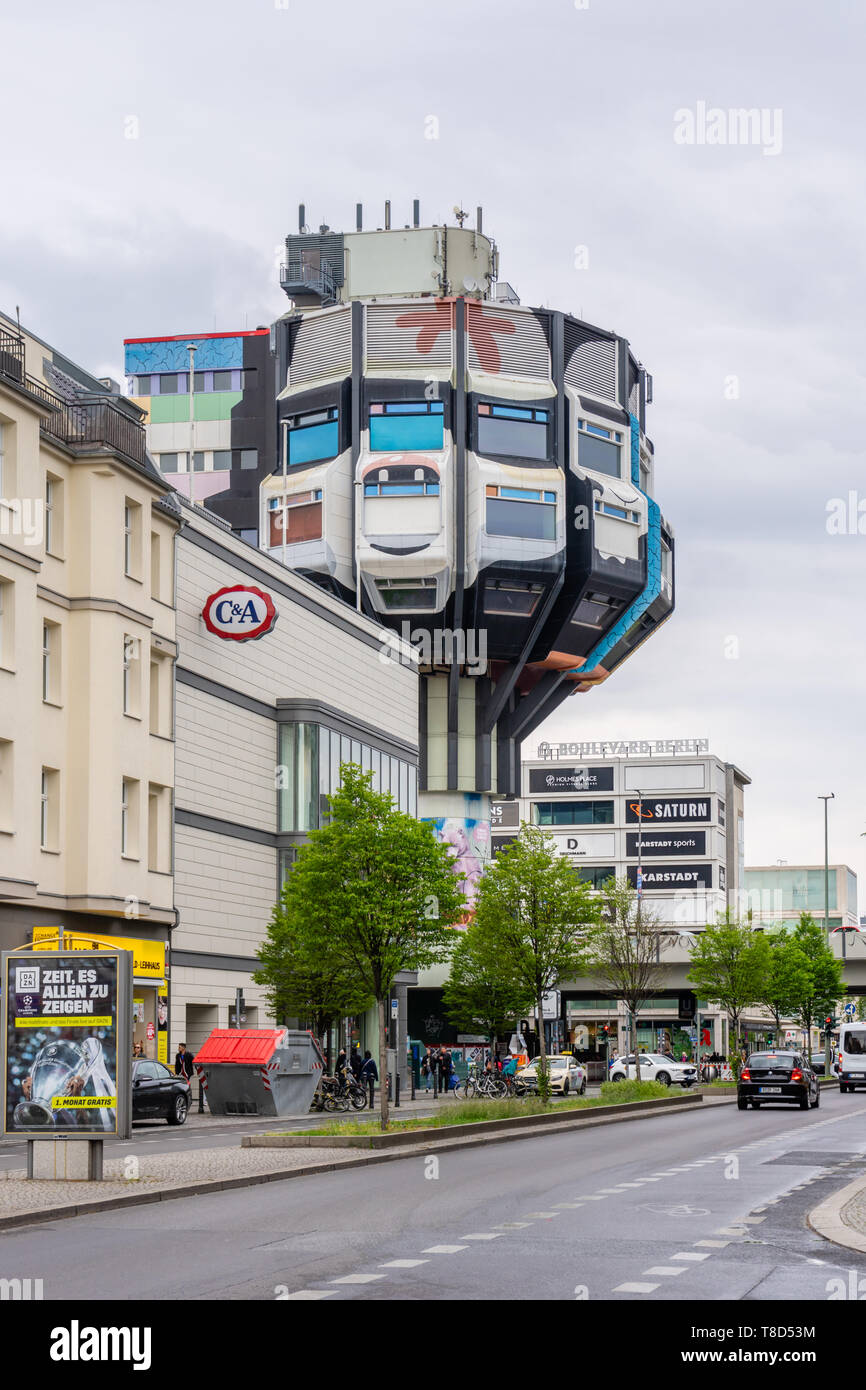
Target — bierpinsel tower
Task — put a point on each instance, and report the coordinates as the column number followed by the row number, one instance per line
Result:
column 475, row 474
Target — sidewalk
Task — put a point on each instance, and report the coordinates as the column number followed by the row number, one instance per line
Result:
column 842, row 1217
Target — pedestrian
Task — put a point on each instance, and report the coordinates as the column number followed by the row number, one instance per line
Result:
column 340, row 1068
column 428, row 1068
column 356, row 1062
column 183, row 1062
column 369, row 1072
column 447, row 1068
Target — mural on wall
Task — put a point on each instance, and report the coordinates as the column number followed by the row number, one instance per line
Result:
column 469, row 841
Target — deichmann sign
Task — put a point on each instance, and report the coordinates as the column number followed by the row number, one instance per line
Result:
column 598, row 845
column 662, row 877
column 66, row 1029
column 571, row 779
column 668, row 808
column 148, row 957
column 240, row 613
column 677, row 842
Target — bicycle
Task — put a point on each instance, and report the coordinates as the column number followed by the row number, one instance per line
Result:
column 329, row 1096
column 488, row 1085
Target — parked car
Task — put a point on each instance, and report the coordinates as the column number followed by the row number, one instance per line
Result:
column 778, row 1078
column 818, row 1062
column 566, row 1075
column 655, row 1067
column 157, row 1094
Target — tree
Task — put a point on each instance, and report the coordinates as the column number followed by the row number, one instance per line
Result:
column 826, row 985
column 312, row 985
column 788, row 978
column 535, row 913
column 627, row 950
column 482, row 994
column 373, row 892
column 730, row 965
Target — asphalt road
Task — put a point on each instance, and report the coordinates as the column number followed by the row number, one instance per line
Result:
column 700, row 1206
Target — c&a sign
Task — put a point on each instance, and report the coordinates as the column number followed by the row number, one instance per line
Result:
column 240, row 613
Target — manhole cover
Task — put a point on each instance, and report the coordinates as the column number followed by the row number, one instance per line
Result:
column 812, row 1158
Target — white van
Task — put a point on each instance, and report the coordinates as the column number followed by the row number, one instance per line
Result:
column 850, row 1063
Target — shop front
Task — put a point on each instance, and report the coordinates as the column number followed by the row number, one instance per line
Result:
column 149, row 1037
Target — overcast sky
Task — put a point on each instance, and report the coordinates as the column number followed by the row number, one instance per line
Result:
column 162, row 150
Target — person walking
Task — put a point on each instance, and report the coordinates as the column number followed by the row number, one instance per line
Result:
column 428, row 1068
column 356, row 1063
column 447, row 1069
column 369, row 1074
column 183, row 1063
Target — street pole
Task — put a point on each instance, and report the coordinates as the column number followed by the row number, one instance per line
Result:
column 831, row 796
column 191, row 349
column 639, row 854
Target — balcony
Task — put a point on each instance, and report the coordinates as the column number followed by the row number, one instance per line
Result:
column 308, row 285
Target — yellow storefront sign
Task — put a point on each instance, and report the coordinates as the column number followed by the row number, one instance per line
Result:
column 66, row 1021
column 148, row 957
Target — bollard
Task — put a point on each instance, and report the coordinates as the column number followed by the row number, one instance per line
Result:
column 397, row 1089
column 412, row 1083
column 200, row 1098
column 372, row 1086
column 435, row 1084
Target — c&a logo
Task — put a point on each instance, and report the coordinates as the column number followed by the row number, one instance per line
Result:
column 239, row 613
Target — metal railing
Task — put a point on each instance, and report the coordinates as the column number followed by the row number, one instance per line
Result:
column 318, row 279
column 12, row 357
column 98, row 422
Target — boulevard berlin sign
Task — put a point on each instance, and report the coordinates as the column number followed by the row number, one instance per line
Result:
column 642, row 748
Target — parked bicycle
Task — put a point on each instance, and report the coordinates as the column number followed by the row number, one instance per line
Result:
column 331, row 1095
column 489, row 1085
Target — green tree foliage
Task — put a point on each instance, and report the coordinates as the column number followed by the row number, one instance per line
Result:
column 482, row 994
column 730, row 966
column 373, row 892
column 305, row 983
column 826, row 985
column 535, row 913
column 626, row 950
column 788, row 979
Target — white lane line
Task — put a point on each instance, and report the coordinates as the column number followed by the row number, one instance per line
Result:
column 569, row 1206
column 691, row 1255
column 650, row 1179
column 357, row 1279
column 443, row 1249
column 669, row 1173
column 635, row 1288
column 754, row 1220
column 403, row 1264
column 513, row 1225
column 541, row 1215
column 630, row 1184
column 482, row 1235
column 716, row 1244
column 729, row 1231
column 667, row 1270
column 307, row 1295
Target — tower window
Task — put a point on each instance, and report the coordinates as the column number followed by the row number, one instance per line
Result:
column 513, row 431
column 401, row 426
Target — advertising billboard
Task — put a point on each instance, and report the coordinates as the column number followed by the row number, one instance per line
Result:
column 571, row 779
column 667, row 808
column 655, row 842
column 469, row 842
column 664, row 877
column 66, row 1044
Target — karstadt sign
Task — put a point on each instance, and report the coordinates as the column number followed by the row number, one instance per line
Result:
column 240, row 613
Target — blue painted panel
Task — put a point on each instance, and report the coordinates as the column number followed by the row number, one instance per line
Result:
column 314, row 442
column 163, row 356
column 395, row 433
column 635, row 450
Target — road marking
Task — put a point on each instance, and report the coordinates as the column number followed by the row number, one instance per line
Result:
column 667, row 1270
column 691, row 1255
column 482, row 1235
column 513, row 1225
column 668, row 1173
column 630, row 1184
column 443, row 1249
column 542, row 1215
column 635, row 1288
column 357, row 1279
column 606, row 1189
column 650, row 1179
column 730, row 1231
column 716, row 1244
column 571, row 1206
column 754, row 1220
column 403, row 1264
column 310, row 1294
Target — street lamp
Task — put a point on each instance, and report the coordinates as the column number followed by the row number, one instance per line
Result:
column 191, row 349
column 831, row 796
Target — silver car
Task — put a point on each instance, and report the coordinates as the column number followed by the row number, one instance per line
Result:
column 654, row 1066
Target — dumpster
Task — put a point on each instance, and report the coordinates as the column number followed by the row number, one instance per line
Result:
column 252, row 1071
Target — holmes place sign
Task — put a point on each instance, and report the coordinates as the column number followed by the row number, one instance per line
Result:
column 643, row 748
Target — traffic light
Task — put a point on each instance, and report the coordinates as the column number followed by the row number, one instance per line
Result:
column 830, row 1022
column 605, row 1032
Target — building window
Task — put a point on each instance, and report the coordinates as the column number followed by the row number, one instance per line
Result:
column 198, row 381
column 523, row 512
column 7, row 624
column 169, row 463
column 51, row 663
column 502, row 597
column 53, row 516
column 222, row 381
column 621, row 513
column 7, row 818
column 158, row 805
column 131, row 679
column 49, row 809
column 397, row 426
column 513, row 431
column 572, row 813
column 595, row 611
column 249, row 458
column 171, row 383
column 222, row 460
column 300, row 515
column 313, row 436
column 408, row 594
column 198, row 461
column 402, row 482
column 132, row 539
column 142, row 386
column 155, row 565
column 298, row 793
column 596, row 877
column 599, row 449
column 3, row 479
column 129, row 818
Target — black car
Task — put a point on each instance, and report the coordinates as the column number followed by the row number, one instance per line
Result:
column 769, row 1078
column 157, row 1094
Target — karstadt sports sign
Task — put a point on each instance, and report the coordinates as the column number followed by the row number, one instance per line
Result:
column 240, row 613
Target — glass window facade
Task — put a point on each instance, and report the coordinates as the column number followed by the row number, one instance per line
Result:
column 313, row 436
column 310, row 758
column 406, row 425
column 515, row 431
column 789, row 890
column 596, row 875
column 572, row 813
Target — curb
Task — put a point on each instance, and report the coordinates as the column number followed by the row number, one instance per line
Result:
column 514, row 1126
column 826, row 1219
column 31, row 1218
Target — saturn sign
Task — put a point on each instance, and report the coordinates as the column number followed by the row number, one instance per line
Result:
column 239, row 614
